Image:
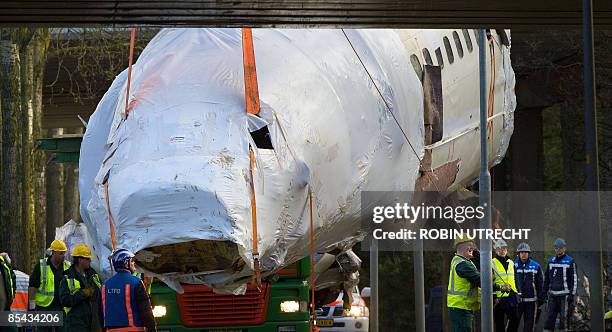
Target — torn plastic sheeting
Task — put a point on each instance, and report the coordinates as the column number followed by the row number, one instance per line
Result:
column 178, row 166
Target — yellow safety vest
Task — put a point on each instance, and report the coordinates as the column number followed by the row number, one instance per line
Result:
column 46, row 290
column 503, row 276
column 461, row 294
column 74, row 286
column 8, row 280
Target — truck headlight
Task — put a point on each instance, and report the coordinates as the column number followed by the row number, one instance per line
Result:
column 357, row 311
column 159, row 311
column 290, row 306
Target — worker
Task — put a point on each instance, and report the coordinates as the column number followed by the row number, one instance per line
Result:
column 20, row 302
column 463, row 284
column 125, row 301
column 506, row 303
column 80, row 293
column 7, row 282
column 529, row 282
column 560, row 281
column 7, row 288
column 45, row 281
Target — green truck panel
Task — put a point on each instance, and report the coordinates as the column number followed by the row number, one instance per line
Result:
column 289, row 285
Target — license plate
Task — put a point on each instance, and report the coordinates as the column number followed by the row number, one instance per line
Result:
column 325, row 322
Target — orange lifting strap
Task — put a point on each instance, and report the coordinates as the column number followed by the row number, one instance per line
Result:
column 110, row 218
column 256, row 266
column 129, row 78
column 127, row 101
column 251, row 97
column 251, row 92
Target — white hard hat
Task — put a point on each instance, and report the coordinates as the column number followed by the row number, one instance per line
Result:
column 500, row 244
column 523, row 247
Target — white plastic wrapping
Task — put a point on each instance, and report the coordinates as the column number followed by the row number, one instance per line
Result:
column 178, row 167
column 73, row 233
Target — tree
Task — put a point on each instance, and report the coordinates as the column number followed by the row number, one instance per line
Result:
column 11, row 189
column 22, row 63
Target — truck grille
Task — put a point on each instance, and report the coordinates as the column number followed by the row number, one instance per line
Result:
column 201, row 307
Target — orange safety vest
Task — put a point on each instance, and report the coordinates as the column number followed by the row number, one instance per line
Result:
column 20, row 302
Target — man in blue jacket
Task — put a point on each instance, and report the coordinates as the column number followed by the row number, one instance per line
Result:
column 529, row 281
column 125, row 302
column 560, row 283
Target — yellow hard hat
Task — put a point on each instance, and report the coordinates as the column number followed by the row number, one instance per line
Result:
column 58, row 245
column 81, row 250
column 461, row 239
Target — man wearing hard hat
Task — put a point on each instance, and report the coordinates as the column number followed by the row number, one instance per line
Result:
column 80, row 293
column 560, row 282
column 462, row 297
column 45, row 281
column 506, row 302
column 529, row 282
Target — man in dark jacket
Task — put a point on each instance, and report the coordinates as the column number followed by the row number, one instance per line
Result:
column 560, row 283
column 80, row 293
column 125, row 301
column 529, row 281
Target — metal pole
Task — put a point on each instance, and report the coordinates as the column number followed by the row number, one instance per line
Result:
column 374, row 286
column 591, row 165
column 484, row 191
column 419, row 283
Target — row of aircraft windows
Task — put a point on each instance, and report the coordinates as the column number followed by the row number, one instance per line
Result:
column 416, row 63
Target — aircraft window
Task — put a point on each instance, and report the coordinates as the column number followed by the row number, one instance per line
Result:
column 416, row 64
column 449, row 50
column 427, row 56
column 468, row 40
column 262, row 138
column 439, row 58
column 458, row 44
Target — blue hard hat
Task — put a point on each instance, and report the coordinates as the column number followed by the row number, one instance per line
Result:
column 559, row 243
column 121, row 259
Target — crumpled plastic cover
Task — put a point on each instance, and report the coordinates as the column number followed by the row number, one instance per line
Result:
column 178, row 166
column 73, row 233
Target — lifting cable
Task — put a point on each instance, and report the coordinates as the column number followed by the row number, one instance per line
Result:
column 491, row 99
column 390, row 110
column 251, row 96
column 312, row 266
